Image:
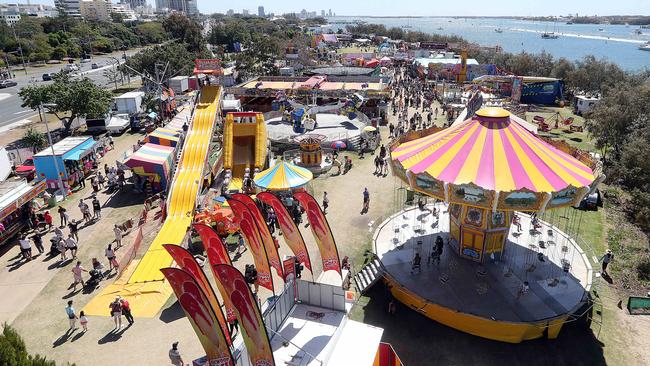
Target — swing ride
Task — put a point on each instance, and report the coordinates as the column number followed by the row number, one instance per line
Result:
column 510, row 268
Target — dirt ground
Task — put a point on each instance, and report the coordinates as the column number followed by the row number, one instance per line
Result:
column 39, row 291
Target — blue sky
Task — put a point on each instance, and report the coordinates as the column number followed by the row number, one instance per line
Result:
column 431, row 7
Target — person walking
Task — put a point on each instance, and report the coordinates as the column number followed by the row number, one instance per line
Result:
column 71, row 245
column 25, row 247
column 116, row 312
column 606, row 259
column 73, row 225
column 126, row 310
column 175, row 355
column 326, row 203
column 83, row 321
column 48, row 219
column 63, row 215
column 60, row 246
column 118, row 236
column 97, row 209
column 112, row 262
column 38, row 242
column 72, row 316
column 76, row 274
column 366, row 200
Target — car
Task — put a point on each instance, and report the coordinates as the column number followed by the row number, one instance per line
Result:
column 85, row 60
column 47, row 77
column 7, row 84
column 26, row 169
column 94, row 66
column 71, row 67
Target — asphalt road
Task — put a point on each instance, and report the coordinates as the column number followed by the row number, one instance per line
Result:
column 10, row 110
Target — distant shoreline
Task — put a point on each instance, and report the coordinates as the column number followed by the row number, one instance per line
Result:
column 609, row 19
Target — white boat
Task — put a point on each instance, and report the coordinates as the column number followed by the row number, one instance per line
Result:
column 550, row 35
column 645, row 46
column 638, row 32
column 498, row 30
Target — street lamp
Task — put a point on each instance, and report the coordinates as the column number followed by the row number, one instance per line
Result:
column 49, row 138
column 20, row 48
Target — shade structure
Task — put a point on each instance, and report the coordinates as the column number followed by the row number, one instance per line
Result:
column 370, row 129
column 283, row 176
column 163, row 136
column 152, row 160
column 338, row 145
column 492, row 161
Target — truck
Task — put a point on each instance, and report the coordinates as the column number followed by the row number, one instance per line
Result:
column 179, row 84
column 129, row 103
column 113, row 124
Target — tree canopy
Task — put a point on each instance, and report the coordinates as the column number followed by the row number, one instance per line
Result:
column 75, row 97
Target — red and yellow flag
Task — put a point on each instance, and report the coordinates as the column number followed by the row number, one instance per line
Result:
column 217, row 254
column 321, row 230
column 251, row 234
column 292, row 235
column 198, row 310
column 265, row 234
column 251, row 322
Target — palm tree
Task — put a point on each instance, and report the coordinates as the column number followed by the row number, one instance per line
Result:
column 34, row 139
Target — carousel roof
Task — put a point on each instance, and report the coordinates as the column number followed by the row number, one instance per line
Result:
column 494, row 152
column 283, row 176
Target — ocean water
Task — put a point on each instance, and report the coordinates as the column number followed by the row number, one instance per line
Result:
column 616, row 43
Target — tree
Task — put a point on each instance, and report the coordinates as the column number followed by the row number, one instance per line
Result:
column 78, row 97
column 13, row 351
column 117, row 18
column 185, row 30
column 113, row 75
column 34, row 139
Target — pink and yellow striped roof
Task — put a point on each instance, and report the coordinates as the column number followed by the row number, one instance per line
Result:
column 493, row 152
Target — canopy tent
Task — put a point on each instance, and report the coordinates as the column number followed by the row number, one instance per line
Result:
column 372, row 63
column 491, row 152
column 164, row 137
column 152, row 160
column 283, row 176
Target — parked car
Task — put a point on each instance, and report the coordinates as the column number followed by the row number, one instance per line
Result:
column 26, row 169
column 85, row 60
column 94, row 66
column 47, row 77
column 70, row 67
column 7, row 84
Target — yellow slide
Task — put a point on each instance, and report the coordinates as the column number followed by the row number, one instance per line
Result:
column 244, row 145
column 146, row 289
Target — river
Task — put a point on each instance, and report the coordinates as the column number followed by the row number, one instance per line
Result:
column 616, row 43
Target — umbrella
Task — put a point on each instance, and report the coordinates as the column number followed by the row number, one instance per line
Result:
column 338, row 145
column 369, row 129
column 283, row 176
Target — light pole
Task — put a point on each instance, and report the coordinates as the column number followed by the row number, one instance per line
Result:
column 20, row 48
column 49, row 139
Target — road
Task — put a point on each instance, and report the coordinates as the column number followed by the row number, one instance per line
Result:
column 13, row 113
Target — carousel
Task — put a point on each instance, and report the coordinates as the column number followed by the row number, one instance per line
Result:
column 311, row 153
column 488, row 247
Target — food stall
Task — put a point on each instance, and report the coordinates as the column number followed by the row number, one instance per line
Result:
column 15, row 199
column 72, row 155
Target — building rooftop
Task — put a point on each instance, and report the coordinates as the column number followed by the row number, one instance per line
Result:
column 65, row 145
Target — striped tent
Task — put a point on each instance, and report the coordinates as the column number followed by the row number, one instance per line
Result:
column 152, row 160
column 164, row 137
column 493, row 152
column 283, row 176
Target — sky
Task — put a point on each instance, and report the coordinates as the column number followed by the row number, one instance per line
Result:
column 429, row 7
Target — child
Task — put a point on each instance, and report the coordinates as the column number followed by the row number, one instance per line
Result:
column 83, row 321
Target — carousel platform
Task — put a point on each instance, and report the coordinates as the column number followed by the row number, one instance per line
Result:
column 334, row 127
column 484, row 298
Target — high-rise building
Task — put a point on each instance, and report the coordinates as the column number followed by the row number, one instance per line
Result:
column 95, row 9
column 260, row 11
column 330, row 13
column 230, row 12
column 188, row 7
column 134, row 3
column 69, row 7
column 322, row 13
column 245, row 12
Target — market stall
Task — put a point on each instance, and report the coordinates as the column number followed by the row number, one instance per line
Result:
column 164, row 137
column 152, row 163
column 15, row 201
column 72, row 156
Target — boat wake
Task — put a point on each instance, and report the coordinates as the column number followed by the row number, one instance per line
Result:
column 582, row 36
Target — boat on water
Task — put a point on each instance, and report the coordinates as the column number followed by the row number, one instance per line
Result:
column 406, row 27
column 440, row 28
column 499, row 30
column 638, row 32
column 645, row 46
column 550, row 35
column 601, row 29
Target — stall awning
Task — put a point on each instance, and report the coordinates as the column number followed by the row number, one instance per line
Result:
column 163, row 136
column 14, row 195
column 152, row 160
column 81, row 151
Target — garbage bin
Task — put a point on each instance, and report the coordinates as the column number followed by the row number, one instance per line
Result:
column 52, row 201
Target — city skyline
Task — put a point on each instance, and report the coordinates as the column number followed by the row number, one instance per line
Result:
column 425, row 8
